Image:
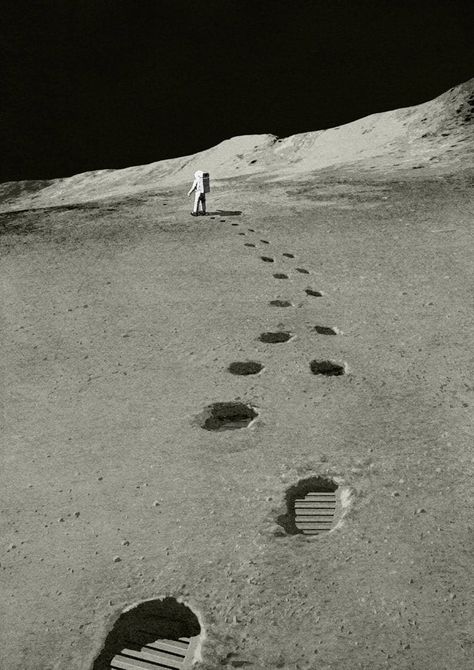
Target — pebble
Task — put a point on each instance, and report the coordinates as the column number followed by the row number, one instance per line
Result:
column 117, row 559
column 125, row 543
column 420, row 510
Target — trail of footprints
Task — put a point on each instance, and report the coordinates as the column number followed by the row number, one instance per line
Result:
column 232, row 415
column 311, row 504
column 165, row 633
column 328, row 368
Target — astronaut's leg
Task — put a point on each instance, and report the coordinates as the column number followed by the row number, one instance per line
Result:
column 203, row 203
column 196, row 202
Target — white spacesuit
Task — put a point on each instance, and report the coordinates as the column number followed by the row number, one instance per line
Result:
column 201, row 186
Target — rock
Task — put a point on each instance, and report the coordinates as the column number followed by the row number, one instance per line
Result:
column 420, row 510
column 279, row 532
column 117, row 559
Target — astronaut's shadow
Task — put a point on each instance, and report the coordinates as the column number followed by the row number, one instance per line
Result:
column 225, row 212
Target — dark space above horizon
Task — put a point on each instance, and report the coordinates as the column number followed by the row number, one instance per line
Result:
column 108, row 84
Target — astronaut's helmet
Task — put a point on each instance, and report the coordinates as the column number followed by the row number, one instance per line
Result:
column 199, row 174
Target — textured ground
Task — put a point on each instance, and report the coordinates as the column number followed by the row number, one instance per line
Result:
column 119, row 320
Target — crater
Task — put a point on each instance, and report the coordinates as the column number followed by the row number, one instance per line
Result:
column 161, row 633
column 264, row 241
column 327, row 368
column 227, row 416
column 249, row 244
column 315, row 294
column 280, row 303
column 251, row 230
column 288, row 255
column 311, row 506
column 280, row 275
column 245, row 368
column 302, row 270
column 267, row 259
column 275, row 338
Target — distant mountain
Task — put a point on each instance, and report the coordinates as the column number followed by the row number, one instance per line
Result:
column 436, row 135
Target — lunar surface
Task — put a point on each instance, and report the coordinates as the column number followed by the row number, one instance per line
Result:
column 171, row 396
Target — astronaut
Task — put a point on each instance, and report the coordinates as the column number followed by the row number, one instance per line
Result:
column 201, row 186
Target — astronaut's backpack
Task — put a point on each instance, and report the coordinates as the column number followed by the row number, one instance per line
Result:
column 204, row 182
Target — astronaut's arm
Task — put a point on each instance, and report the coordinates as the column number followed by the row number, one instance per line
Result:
column 193, row 187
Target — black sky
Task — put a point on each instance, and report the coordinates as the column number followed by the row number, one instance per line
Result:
column 90, row 84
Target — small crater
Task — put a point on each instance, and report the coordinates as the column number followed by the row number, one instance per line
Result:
column 245, row 368
column 267, row 259
column 280, row 275
column 264, row 241
column 326, row 330
column 280, row 303
column 252, row 162
column 310, row 507
column 275, row 338
column 249, row 244
column 315, row 294
column 251, row 230
column 287, row 255
column 302, row 270
column 327, row 368
column 241, row 233
column 234, row 224
column 227, row 416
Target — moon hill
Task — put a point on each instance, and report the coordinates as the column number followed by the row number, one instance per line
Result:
column 244, row 439
column 436, row 137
